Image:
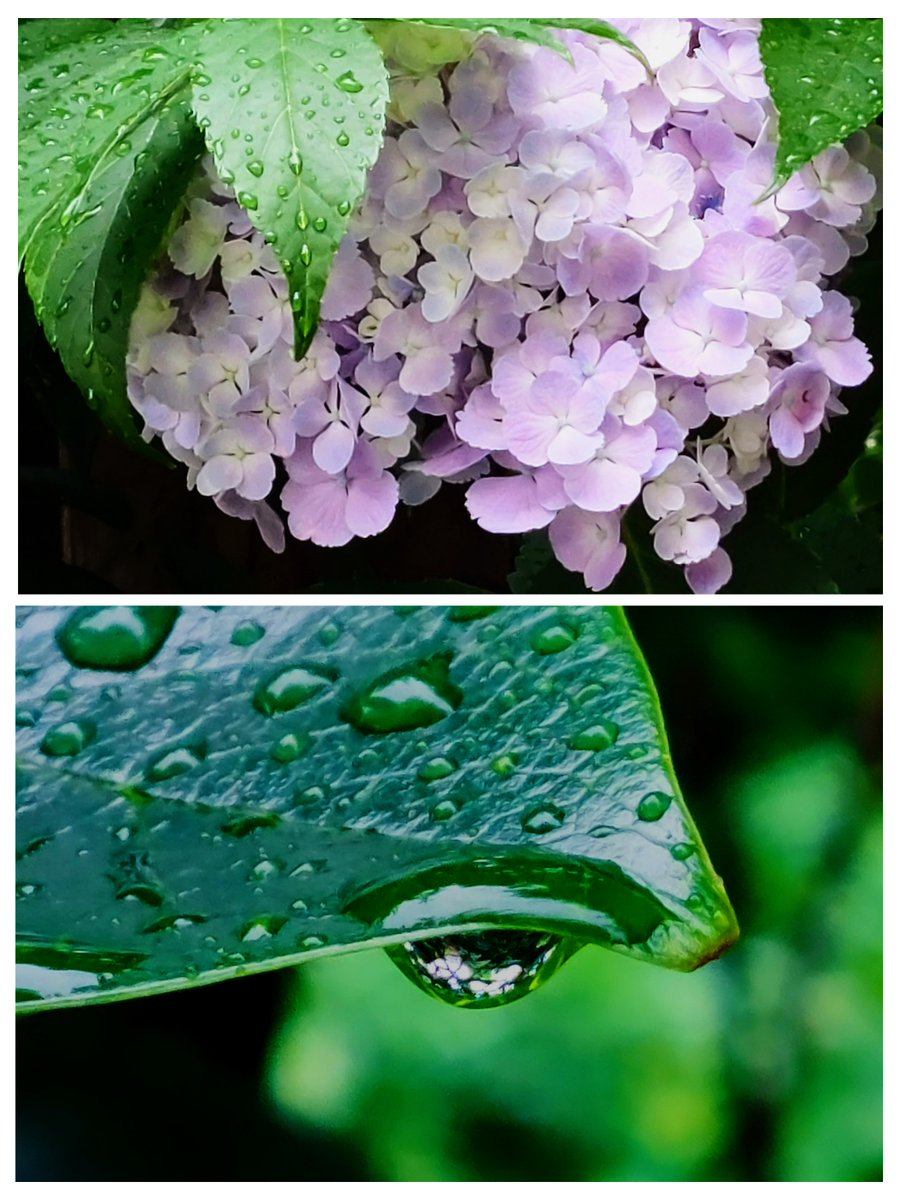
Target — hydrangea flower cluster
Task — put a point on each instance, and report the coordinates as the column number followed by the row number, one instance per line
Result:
column 562, row 291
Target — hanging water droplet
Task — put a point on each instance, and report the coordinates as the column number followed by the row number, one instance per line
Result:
column 554, row 638
column 348, row 82
column 653, row 806
column 247, row 633
column 409, row 697
column 597, row 737
column 175, row 761
column 306, row 255
column 484, row 969
column 291, row 686
column 545, row 818
column 115, row 638
column 343, row 139
column 68, row 739
column 436, row 768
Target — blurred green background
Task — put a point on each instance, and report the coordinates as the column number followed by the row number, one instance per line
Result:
column 766, row 1065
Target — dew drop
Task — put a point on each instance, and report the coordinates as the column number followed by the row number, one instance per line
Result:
column 554, row 638
column 26, row 717
column 175, row 761
column 291, row 747
column 178, row 922
column 282, row 192
column 247, row 633
column 349, row 83
column 444, row 810
column 306, row 255
column 653, row 806
column 309, row 795
column 483, row 969
column 682, row 850
column 312, row 942
column 247, row 823
column 343, row 139
column 254, row 63
column 543, row 819
column 329, row 633
column 244, row 89
column 256, row 168
column 249, row 201
column 410, row 697
column 291, row 686
column 295, row 162
column 115, row 638
column 320, row 224
column 504, row 765
column 460, row 613
column 436, row 768
column 597, row 737
column 68, row 739
column 261, row 928
column 344, row 207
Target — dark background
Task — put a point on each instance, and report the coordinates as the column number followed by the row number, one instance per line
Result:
column 95, row 516
column 765, row 1065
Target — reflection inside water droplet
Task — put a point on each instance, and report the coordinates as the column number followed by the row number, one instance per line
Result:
column 116, row 638
column 483, row 969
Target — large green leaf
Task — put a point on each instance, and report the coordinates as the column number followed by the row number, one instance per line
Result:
column 293, row 112
column 88, row 263
column 825, row 77
column 206, row 793
column 81, row 101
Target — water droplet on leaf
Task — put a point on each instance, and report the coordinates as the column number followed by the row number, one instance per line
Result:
column 115, row 638
column 409, row 697
column 291, row 686
column 68, row 739
column 653, row 806
column 543, row 819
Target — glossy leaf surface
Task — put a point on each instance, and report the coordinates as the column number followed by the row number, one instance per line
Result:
column 825, row 76
column 275, row 784
column 293, row 113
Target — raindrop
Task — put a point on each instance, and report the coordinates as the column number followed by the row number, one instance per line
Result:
column 343, row 139
column 26, row 717
column 254, row 63
column 597, row 737
column 409, row 697
column 653, row 806
column 543, row 819
column 444, row 810
column 348, row 82
column 554, row 638
column 115, row 638
column 295, row 162
column 247, row 633
column 199, row 79
column 320, row 224
column 306, row 255
column 302, row 220
column 344, row 208
column 483, row 969
column 243, row 89
column 88, row 354
column 436, row 768
column 26, row 889
column 154, row 54
column 504, row 765
column 177, row 922
column 682, row 850
column 175, row 761
column 261, row 928
column 248, row 200
column 68, row 739
column 291, row 747
column 282, row 192
column 587, row 694
column 329, row 633
column 247, row 823
column 471, row 612
column 291, row 686
column 255, row 168
column 310, row 795
column 312, row 942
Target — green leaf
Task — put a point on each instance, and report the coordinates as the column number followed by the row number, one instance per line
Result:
column 275, row 784
column 825, row 77
column 293, row 112
column 81, row 102
column 88, row 263
column 38, row 38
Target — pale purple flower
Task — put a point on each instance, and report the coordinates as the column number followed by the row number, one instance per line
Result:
column 832, row 188
column 222, row 370
column 699, row 337
column 612, row 477
column 406, row 175
column 590, row 544
column 333, row 424
column 689, row 535
column 389, row 405
column 832, row 346
column 350, row 283
column 515, row 503
column 747, row 388
column 330, row 510
column 604, row 261
column 427, row 350
column 747, row 273
column 196, row 245
column 710, row 574
column 798, row 402
column 557, row 94
column 497, row 248
column 735, row 62
column 467, row 135
column 446, row 281
column 238, row 458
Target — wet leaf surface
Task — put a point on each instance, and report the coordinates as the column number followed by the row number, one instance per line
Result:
column 284, row 783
